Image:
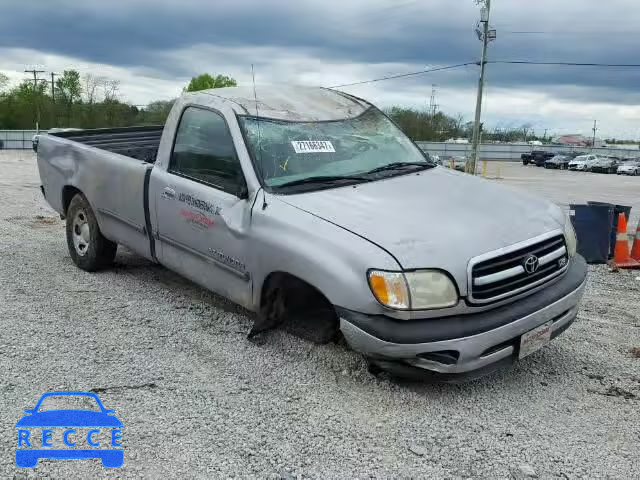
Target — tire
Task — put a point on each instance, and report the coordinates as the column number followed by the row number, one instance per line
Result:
column 88, row 248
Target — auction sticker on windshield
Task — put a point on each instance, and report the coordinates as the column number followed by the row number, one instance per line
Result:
column 313, row 146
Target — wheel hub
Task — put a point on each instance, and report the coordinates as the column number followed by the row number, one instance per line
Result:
column 81, row 233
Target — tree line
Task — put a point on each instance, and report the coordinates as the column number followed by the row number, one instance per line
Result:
column 84, row 101
column 93, row 101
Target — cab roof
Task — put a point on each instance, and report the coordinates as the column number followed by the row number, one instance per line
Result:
column 290, row 102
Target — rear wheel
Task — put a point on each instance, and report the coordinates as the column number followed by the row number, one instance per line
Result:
column 88, row 248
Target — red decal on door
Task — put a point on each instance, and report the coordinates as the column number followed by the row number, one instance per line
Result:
column 197, row 219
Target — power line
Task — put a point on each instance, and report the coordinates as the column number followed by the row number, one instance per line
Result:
column 511, row 62
column 403, row 75
column 568, row 32
column 570, row 64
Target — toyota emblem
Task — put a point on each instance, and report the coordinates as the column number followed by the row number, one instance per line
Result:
column 531, row 264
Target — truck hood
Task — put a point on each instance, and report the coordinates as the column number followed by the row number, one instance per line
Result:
column 435, row 219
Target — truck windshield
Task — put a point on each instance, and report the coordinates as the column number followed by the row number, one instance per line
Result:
column 290, row 152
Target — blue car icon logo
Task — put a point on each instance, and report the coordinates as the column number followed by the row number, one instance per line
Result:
column 69, row 433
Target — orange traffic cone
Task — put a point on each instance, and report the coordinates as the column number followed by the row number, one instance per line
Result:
column 635, row 250
column 621, row 254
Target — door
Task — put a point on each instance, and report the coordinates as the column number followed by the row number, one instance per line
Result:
column 201, row 207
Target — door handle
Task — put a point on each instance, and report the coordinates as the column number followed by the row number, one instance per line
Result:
column 168, row 193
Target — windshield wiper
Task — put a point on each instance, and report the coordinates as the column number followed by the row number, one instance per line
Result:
column 324, row 179
column 400, row 166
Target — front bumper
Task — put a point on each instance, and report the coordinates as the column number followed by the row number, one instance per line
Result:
column 466, row 343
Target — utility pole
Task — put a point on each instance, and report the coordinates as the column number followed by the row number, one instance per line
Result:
column 433, row 106
column 53, row 86
column 544, row 138
column 53, row 98
column 595, row 129
column 35, row 94
column 486, row 35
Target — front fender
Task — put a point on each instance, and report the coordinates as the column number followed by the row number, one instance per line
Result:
column 328, row 257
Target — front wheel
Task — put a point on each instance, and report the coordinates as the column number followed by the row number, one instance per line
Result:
column 88, row 248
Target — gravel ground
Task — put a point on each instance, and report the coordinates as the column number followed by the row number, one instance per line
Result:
column 199, row 400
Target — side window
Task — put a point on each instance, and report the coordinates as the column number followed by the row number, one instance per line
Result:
column 204, row 151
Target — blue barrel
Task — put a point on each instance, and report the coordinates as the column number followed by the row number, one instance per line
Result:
column 617, row 210
column 593, row 225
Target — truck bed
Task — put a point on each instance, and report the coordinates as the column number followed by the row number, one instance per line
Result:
column 111, row 168
column 140, row 143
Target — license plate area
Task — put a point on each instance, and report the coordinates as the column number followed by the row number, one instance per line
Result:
column 535, row 339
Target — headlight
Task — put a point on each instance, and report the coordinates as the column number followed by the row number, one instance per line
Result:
column 570, row 238
column 419, row 290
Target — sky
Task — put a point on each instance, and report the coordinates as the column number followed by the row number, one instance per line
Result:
column 153, row 47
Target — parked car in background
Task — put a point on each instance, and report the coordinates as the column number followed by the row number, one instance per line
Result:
column 539, row 157
column 458, row 163
column 605, row 165
column 580, row 163
column 631, row 167
column 591, row 162
column 536, row 156
column 560, row 162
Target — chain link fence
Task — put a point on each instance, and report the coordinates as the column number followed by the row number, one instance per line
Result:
column 22, row 140
column 512, row 151
column 16, row 139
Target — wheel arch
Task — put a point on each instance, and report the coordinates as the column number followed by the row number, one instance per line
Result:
column 68, row 192
column 303, row 309
column 282, row 277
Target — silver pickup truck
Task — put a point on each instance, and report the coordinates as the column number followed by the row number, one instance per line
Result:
column 309, row 205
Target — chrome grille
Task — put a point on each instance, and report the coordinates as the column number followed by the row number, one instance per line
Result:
column 504, row 274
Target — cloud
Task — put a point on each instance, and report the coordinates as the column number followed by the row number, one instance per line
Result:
column 154, row 46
